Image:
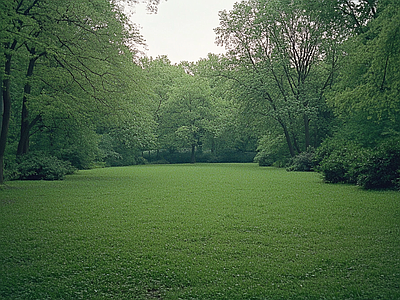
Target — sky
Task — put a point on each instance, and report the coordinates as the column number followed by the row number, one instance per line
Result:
column 181, row 29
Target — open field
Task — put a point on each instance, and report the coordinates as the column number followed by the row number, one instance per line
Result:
column 206, row 231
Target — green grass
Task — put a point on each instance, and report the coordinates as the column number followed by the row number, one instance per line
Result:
column 206, row 231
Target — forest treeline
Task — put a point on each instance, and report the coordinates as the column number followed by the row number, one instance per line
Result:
column 307, row 85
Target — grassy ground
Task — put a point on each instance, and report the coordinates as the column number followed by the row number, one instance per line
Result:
column 231, row 231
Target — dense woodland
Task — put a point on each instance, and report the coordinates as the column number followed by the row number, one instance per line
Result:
column 307, row 85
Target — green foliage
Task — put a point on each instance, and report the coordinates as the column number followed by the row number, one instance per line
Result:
column 121, row 142
column 188, row 111
column 68, row 139
column 349, row 162
column 235, row 157
column 272, row 150
column 369, row 79
column 382, row 168
column 367, row 132
column 340, row 160
column 303, row 161
column 141, row 161
column 72, row 72
column 106, row 150
column 282, row 57
column 11, row 168
column 179, row 157
column 193, row 109
column 39, row 166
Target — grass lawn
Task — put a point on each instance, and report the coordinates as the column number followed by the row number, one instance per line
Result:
column 205, row 231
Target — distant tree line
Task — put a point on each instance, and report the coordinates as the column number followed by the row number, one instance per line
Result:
column 307, row 85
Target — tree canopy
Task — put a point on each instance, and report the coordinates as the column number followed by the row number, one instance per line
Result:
column 65, row 60
column 287, row 57
column 296, row 74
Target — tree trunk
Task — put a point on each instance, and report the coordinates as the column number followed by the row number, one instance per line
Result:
column 193, row 154
column 288, row 140
column 6, row 107
column 307, row 130
column 1, row 101
column 295, row 144
column 5, row 121
column 23, row 145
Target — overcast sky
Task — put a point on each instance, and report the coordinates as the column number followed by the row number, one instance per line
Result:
column 182, row 29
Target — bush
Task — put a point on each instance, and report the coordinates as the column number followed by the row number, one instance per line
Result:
column 38, row 166
column 160, row 162
column 235, row 157
column 349, row 162
column 272, row 150
column 340, row 161
column 303, row 162
column 141, row 161
column 11, row 172
column 382, row 169
column 179, row 157
column 263, row 159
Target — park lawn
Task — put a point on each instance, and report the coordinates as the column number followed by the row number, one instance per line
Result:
column 204, row 231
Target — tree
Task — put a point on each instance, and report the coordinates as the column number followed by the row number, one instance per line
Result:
column 187, row 114
column 152, row 5
column 232, row 129
column 220, row 128
column 283, row 54
column 368, row 89
column 77, row 55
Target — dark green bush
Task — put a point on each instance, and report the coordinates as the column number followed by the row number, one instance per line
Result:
column 340, row 161
column 39, row 166
column 382, row 169
column 11, row 171
column 141, row 161
column 179, row 157
column 160, row 162
column 263, row 159
column 326, row 149
column 349, row 162
column 303, row 162
column 235, row 157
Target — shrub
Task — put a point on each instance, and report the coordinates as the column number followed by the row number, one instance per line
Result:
column 141, row 161
column 179, row 157
column 340, row 161
column 160, row 162
column 382, row 169
column 11, row 171
column 235, row 157
column 10, row 167
column 264, row 159
column 272, row 150
column 325, row 150
column 303, row 162
column 349, row 162
column 38, row 166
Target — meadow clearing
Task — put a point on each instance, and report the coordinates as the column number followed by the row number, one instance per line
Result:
column 204, row 231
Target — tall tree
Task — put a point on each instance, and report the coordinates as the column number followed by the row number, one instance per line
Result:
column 75, row 50
column 187, row 114
column 233, row 130
column 368, row 89
column 289, row 55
